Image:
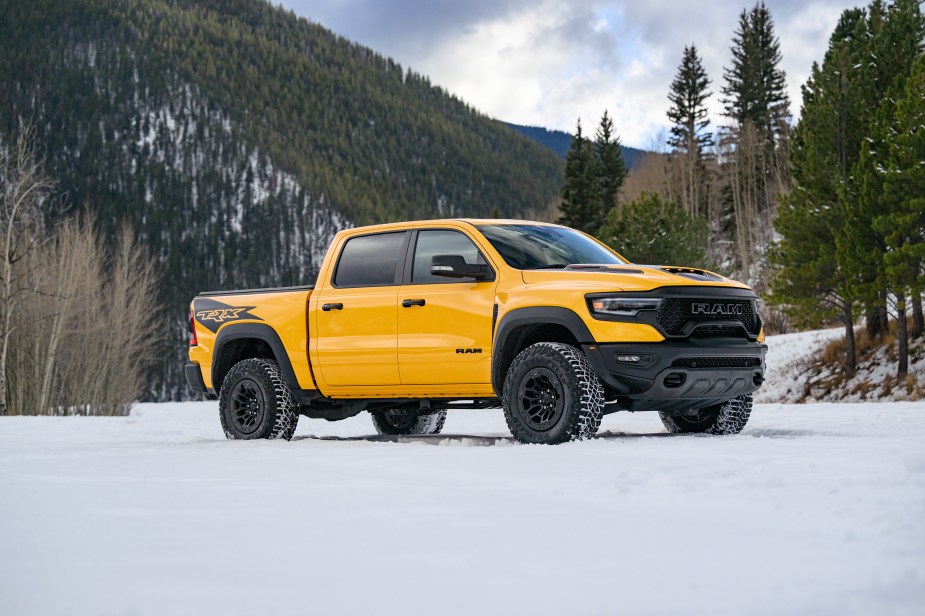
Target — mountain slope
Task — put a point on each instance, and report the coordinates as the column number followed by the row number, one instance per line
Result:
column 559, row 142
column 238, row 138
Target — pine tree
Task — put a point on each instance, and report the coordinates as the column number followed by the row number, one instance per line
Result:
column 689, row 139
column 580, row 208
column 754, row 146
column 901, row 219
column 894, row 38
column 611, row 170
column 895, row 35
column 755, row 89
column 850, row 221
column 825, row 146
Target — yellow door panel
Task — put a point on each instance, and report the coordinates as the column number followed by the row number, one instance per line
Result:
column 356, row 316
column 356, row 341
column 447, row 340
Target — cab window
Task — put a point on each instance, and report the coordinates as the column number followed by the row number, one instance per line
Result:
column 441, row 242
column 369, row 260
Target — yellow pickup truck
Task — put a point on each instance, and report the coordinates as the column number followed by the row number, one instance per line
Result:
column 409, row 320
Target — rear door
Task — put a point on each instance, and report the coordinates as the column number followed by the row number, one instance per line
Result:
column 356, row 320
column 444, row 324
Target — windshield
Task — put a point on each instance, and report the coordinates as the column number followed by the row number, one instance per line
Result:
column 528, row 247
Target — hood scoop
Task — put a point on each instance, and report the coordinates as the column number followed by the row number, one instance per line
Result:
column 605, row 268
column 692, row 273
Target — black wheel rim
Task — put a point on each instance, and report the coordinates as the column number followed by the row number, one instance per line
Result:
column 399, row 422
column 247, row 406
column 541, row 399
column 701, row 418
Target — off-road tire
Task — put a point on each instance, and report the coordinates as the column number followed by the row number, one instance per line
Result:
column 729, row 417
column 396, row 424
column 255, row 402
column 551, row 395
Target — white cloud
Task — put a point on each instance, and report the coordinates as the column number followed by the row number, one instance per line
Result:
column 547, row 63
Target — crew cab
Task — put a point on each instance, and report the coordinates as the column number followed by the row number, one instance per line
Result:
column 409, row 320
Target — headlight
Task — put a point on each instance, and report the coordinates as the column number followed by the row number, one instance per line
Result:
column 623, row 306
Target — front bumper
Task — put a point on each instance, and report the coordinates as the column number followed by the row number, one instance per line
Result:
column 670, row 376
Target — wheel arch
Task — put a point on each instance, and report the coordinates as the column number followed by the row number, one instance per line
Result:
column 522, row 327
column 239, row 341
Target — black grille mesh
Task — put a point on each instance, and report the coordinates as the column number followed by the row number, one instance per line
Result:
column 716, row 331
column 717, row 362
column 675, row 313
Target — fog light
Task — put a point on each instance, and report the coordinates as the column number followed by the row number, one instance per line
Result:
column 628, row 359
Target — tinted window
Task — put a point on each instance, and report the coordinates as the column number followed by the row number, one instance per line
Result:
column 539, row 246
column 369, row 260
column 436, row 242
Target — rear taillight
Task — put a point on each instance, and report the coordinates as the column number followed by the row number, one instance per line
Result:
column 192, row 330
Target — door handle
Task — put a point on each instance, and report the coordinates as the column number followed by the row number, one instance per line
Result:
column 408, row 303
column 327, row 307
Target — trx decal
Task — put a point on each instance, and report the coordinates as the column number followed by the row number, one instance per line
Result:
column 212, row 314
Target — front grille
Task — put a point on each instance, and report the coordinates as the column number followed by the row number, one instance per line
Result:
column 716, row 331
column 716, row 362
column 675, row 313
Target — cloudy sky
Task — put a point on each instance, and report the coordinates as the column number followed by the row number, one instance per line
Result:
column 549, row 62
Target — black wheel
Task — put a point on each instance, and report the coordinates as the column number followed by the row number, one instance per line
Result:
column 392, row 422
column 726, row 418
column 551, row 395
column 256, row 403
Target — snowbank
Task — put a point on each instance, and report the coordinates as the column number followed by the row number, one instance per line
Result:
column 795, row 372
column 788, row 358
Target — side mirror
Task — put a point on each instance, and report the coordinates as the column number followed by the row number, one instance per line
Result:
column 454, row 266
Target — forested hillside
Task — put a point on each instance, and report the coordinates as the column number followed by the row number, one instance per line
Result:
column 238, row 138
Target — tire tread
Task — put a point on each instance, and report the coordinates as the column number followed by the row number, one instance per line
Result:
column 432, row 423
column 284, row 408
column 585, row 420
column 731, row 417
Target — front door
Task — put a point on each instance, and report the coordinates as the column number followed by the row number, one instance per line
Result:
column 444, row 324
column 356, row 315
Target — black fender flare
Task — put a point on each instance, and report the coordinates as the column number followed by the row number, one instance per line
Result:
column 509, row 323
column 256, row 331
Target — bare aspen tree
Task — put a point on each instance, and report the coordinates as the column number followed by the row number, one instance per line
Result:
column 131, row 316
column 23, row 189
column 70, row 282
column 97, row 311
column 651, row 174
column 62, row 275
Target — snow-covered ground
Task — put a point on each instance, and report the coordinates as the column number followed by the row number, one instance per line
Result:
column 795, row 373
column 787, row 361
column 814, row 509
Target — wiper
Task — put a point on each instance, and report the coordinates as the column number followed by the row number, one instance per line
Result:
column 550, row 266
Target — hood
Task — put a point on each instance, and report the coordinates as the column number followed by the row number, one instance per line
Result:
column 628, row 277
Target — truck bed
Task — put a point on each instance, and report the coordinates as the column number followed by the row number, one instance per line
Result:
column 307, row 287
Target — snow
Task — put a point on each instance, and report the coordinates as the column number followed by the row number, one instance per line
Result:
column 787, row 359
column 814, row 509
column 795, row 375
